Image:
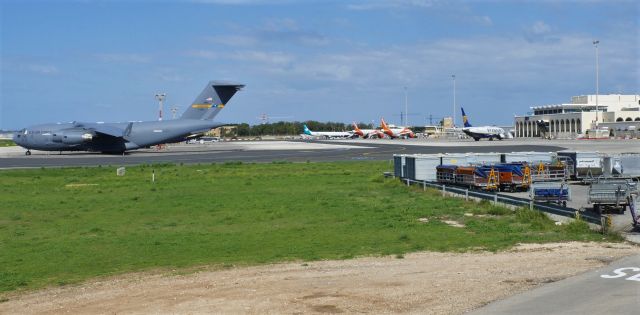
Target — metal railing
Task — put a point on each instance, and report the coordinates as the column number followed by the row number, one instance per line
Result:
column 496, row 198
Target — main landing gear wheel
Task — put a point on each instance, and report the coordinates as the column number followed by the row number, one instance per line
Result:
column 28, row 152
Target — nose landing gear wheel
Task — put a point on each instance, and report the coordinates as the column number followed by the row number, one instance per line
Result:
column 27, row 153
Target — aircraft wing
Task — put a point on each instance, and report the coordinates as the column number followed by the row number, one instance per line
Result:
column 107, row 129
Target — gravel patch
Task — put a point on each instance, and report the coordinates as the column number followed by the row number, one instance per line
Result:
column 420, row 283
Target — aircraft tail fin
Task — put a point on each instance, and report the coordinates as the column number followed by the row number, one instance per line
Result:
column 306, row 130
column 465, row 120
column 383, row 124
column 211, row 100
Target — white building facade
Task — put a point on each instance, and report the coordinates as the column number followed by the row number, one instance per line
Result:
column 615, row 111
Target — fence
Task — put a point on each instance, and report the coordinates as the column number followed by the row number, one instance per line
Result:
column 496, row 198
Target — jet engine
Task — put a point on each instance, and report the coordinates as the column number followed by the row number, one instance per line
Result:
column 73, row 136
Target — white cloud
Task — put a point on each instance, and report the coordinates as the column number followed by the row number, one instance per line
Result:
column 391, row 4
column 172, row 77
column 277, row 58
column 506, row 74
column 42, row 69
column 484, row 20
column 243, row 2
column 272, row 32
column 202, row 54
column 287, row 31
column 540, row 27
column 234, row 40
column 123, row 58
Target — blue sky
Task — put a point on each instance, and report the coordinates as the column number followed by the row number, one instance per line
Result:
column 310, row 60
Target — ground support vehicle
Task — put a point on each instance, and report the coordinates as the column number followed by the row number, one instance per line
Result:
column 611, row 194
column 557, row 192
column 549, row 172
column 470, row 176
column 446, row 174
column 511, row 176
column 477, row 177
column 633, row 209
column 582, row 165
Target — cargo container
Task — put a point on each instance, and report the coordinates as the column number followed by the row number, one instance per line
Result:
column 425, row 166
column 410, row 167
column 455, row 159
column 611, row 166
column 484, row 158
column 582, row 165
column 531, row 158
column 398, row 161
column 630, row 164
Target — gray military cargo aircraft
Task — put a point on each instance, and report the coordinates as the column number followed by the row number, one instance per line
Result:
column 121, row 137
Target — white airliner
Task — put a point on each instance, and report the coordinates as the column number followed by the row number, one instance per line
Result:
column 367, row 133
column 396, row 132
column 328, row 134
column 477, row 133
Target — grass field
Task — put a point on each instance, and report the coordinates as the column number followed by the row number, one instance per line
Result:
column 60, row 226
column 6, row 143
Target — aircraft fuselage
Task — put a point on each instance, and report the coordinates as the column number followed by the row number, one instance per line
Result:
column 80, row 137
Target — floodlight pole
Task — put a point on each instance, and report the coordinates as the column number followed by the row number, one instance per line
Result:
column 454, row 100
column 160, row 97
column 406, row 110
column 174, row 111
column 595, row 43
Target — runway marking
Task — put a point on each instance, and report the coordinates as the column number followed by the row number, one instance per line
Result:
column 619, row 273
column 379, row 152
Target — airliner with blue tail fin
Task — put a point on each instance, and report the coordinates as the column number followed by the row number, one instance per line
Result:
column 482, row 132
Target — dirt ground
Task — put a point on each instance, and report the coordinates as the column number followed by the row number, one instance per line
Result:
column 424, row 283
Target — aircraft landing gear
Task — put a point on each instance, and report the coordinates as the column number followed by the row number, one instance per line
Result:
column 28, row 152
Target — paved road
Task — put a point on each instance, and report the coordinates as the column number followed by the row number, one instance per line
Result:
column 226, row 152
column 614, row 289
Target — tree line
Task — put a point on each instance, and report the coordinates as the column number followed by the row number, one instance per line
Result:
column 288, row 128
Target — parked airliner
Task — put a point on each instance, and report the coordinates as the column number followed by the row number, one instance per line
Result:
column 396, row 132
column 488, row 132
column 328, row 134
column 367, row 133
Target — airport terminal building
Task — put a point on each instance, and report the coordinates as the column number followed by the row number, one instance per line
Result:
column 618, row 113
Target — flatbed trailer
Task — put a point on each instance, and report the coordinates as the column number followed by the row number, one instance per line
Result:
column 446, row 174
column 469, row 176
column 511, row 176
column 556, row 192
column 480, row 177
column 611, row 194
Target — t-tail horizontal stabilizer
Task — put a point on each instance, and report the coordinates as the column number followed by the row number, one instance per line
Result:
column 211, row 100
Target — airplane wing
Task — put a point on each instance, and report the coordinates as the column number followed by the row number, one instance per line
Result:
column 108, row 130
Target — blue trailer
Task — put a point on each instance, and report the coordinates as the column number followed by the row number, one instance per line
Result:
column 556, row 192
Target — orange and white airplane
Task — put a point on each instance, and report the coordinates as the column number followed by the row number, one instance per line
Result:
column 367, row 133
column 396, row 132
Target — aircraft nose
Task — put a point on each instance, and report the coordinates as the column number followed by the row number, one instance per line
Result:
column 16, row 138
